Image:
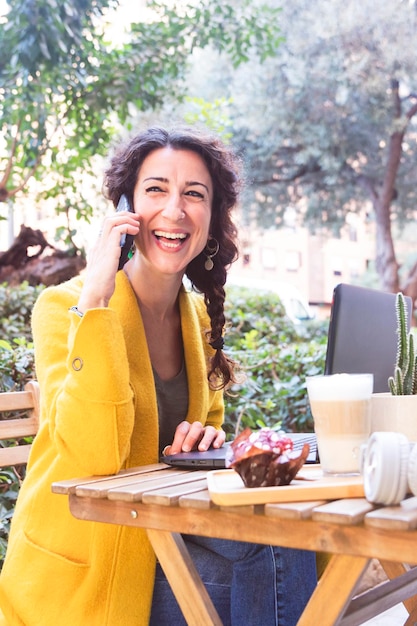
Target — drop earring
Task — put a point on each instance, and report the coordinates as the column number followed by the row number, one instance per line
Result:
column 210, row 251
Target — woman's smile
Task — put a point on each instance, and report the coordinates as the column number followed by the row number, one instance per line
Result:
column 171, row 240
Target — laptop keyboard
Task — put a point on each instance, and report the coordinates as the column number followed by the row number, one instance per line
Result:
column 299, row 439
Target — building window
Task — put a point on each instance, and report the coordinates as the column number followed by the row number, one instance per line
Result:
column 337, row 264
column 292, row 260
column 269, row 258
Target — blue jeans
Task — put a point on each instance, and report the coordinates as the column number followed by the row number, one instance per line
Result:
column 249, row 584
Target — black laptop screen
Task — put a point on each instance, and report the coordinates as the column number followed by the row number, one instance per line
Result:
column 362, row 335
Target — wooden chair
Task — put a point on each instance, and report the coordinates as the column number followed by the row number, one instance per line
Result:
column 24, row 405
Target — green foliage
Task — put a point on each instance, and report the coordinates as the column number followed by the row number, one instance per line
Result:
column 10, row 481
column 16, row 304
column 327, row 124
column 404, row 380
column 16, row 364
column 275, row 357
column 16, row 368
column 212, row 115
column 236, row 28
column 16, row 348
column 341, row 64
column 67, row 87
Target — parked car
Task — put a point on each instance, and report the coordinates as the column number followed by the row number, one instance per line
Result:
column 294, row 303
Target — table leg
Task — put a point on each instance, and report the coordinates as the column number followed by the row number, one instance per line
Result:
column 334, row 591
column 412, row 618
column 185, row 582
column 393, row 570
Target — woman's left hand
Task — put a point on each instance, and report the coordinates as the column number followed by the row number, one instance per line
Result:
column 195, row 436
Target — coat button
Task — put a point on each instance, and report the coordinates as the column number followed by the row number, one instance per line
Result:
column 77, row 364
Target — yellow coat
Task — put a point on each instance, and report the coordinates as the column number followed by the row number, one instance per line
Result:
column 98, row 415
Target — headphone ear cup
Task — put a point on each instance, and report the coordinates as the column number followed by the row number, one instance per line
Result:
column 385, row 468
column 412, row 470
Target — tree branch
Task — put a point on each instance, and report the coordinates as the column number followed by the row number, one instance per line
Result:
column 411, row 112
column 9, row 166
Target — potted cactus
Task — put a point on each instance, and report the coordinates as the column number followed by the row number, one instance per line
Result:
column 404, row 380
column 396, row 410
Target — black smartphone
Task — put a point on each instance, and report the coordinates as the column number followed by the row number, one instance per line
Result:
column 126, row 241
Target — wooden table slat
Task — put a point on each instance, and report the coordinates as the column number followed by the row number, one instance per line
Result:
column 66, row 487
column 350, row 511
column 293, row 510
column 133, row 492
column 401, row 517
column 197, row 500
column 171, row 495
column 243, row 509
column 99, row 489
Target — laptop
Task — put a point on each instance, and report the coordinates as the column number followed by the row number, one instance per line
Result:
column 215, row 458
column 362, row 335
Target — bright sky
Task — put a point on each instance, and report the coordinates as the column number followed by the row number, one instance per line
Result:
column 126, row 12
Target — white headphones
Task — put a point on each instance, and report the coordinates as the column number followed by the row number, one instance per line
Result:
column 389, row 468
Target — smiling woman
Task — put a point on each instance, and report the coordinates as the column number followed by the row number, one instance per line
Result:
column 131, row 363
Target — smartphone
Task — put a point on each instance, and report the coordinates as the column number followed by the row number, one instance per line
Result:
column 126, row 241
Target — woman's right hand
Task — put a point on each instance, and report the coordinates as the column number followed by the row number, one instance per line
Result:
column 195, row 436
column 103, row 260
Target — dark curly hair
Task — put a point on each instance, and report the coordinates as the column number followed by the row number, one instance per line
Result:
column 224, row 169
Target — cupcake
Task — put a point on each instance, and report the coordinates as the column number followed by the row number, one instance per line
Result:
column 265, row 458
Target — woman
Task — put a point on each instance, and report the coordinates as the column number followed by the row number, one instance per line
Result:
column 128, row 363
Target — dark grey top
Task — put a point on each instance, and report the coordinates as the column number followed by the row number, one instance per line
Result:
column 172, row 398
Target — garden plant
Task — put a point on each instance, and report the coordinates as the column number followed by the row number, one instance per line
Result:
column 275, row 357
column 16, row 368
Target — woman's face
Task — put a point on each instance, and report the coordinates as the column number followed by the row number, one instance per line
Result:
column 173, row 197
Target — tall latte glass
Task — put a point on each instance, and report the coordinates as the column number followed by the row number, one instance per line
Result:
column 340, row 404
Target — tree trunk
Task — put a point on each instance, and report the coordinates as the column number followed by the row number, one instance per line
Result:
column 385, row 260
column 410, row 285
column 25, row 260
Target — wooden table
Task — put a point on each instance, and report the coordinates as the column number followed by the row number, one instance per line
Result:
column 168, row 502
